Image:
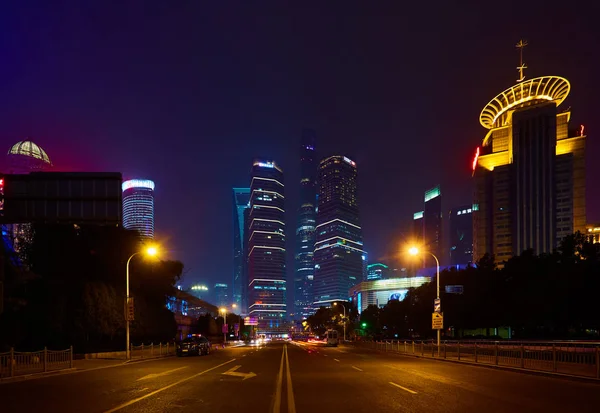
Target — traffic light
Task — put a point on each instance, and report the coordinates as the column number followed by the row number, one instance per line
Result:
column 364, row 325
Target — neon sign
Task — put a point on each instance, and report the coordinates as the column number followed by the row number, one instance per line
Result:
column 476, row 159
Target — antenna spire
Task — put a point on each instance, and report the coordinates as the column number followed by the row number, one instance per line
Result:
column 521, row 68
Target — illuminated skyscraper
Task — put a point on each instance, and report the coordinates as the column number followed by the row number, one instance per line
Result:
column 266, row 247
column 138, row 206
column 432, row 222
column 529, row 171
column 339, row 251
column 377, row 271
column 305, row 230
column 241, row 198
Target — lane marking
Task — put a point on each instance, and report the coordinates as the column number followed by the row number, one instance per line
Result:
column 232, row 372
column 129, row 403
column 164, row 373
column 290, row 391
column 277, row 404
column 356, row 368
column 403, row 388
column 337, row 360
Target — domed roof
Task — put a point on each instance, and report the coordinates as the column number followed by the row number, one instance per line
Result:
column 28, row 148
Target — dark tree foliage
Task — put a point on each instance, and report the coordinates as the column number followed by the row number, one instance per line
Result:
column 552, row 296
column 74, row 291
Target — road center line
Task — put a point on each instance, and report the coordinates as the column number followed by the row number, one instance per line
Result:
column 164, row 373
column 290, row 391
column 403, row 388
column 337, row 360
column 356, row 368
column 277, row 404
column 129, row 403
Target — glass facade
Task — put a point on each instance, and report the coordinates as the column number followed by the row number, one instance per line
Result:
column 138, row 206
column 266, row 248
column 241, row 198
column 338, row 251
column 305, row 230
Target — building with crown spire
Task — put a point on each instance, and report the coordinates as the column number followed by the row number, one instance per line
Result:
column 529, row 171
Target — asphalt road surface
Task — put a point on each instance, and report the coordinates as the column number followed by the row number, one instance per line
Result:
column 286, row 377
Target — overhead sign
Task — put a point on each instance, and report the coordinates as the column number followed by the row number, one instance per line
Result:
column 437, row 321
column 437, row 305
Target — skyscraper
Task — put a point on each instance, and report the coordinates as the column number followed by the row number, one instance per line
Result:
column 241, row 198
column 461, row 235
column 432, row 222
column 266, row 247
column 377, row 271
column 339, row 251
column 305, row 230
column 529, row 171
column 138, row 206
column 222, row 295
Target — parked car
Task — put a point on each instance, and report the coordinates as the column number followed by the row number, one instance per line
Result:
column 195, row 344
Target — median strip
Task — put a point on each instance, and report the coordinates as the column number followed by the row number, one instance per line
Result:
column 129, row 403
column 403, row 388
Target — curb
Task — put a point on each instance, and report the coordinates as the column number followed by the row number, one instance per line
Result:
column 32, row 376
column 542, row 373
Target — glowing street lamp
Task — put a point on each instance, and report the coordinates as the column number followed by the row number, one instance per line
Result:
column 416, row 251
column 151, row 252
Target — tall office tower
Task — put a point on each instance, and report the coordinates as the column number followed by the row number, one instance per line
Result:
column 222, row 295
column 339, row 251
column 305, row 230
column 266, row 248
column 241, row 197
column 432, row 222
column 138, row 206
column 461, row 235
column 529, row 172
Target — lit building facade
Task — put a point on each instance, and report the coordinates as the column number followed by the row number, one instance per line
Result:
column 377, row 271
column 339, row 255
column 592, row 231
column 266, row 248
column 305, row 230
column 138, row 206
column 241, row 198
column 529, row 172
column 222, row 295
column 379, row 292
column 461, row 235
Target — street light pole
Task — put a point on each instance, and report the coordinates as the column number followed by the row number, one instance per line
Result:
column 224, row 311
column 344, row 307
column 127, row 347
column 415, row 251
column 149, row 251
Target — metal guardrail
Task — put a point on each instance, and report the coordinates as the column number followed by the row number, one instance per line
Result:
column 14, row 363
column 580, row 359
column 153, row 350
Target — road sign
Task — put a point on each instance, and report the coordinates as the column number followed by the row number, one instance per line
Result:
column 225, row 328
column 437, row 305
column 437, row 321
column 129, row 309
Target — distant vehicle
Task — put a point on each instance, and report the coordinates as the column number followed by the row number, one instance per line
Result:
column 331, row 338
column 195, row 345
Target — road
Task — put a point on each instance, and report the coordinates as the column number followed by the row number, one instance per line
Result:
column 291, row 378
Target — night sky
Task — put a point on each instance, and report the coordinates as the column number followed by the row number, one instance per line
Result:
column 187, row 93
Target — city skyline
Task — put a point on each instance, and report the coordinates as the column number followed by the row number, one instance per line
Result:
column 86, row 121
